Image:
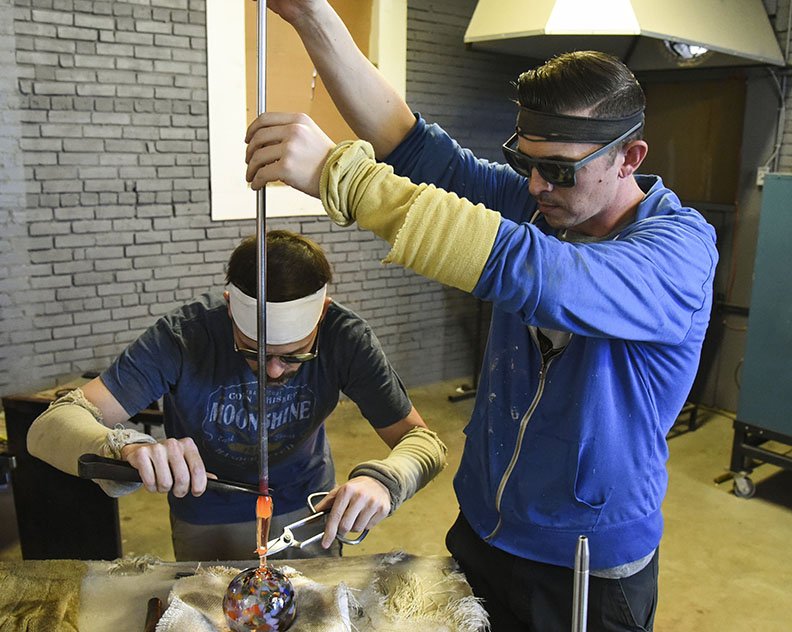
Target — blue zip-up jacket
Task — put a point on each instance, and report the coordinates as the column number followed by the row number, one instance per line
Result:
column 574, row 443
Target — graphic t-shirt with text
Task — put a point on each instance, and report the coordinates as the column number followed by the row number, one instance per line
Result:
column 210, row 394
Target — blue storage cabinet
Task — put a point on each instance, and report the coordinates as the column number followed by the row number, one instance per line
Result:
column 764, row 410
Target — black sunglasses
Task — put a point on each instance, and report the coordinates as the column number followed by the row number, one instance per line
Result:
column 293, row 358
column 560, row 173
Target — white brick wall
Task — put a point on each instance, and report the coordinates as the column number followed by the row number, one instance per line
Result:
column 104, row 216
column 104, row 204
column 17, row 289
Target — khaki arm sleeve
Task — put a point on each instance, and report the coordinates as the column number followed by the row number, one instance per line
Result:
column 435, row 233
column 72, row 426
column 415, row 460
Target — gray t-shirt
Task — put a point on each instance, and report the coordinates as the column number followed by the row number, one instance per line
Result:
column 210, row 394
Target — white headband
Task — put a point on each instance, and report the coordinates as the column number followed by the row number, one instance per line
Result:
column 287, row 322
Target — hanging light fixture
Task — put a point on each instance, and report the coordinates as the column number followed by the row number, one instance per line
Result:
column 645, row 34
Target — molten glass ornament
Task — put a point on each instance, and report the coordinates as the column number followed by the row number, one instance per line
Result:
column 260, row 599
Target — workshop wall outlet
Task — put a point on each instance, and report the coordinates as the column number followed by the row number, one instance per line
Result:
column 761, row 172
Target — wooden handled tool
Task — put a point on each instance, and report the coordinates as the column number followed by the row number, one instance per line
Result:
column 153, row 614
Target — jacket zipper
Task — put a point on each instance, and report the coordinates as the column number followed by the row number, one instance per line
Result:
column 546, row 360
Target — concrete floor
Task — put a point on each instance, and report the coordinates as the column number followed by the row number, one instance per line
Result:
column 726, row 562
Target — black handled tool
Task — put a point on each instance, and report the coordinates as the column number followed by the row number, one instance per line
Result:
column 95, row 466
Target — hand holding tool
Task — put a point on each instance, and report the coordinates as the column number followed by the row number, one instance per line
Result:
column 95, row 466
column 287, row 538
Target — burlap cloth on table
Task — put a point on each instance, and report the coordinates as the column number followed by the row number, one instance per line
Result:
column 40, row 596
column 398, row 597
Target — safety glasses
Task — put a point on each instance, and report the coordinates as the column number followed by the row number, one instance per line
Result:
column 560, row 173
column 293, row 358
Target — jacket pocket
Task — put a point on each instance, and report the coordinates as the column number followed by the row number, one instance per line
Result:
column 554, row 485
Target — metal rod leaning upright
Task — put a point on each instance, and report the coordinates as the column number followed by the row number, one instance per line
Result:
column 580, row 587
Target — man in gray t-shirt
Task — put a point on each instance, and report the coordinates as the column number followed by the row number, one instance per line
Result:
column 201, row 359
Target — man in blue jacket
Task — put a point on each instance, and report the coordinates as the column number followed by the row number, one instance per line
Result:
column 601, row 284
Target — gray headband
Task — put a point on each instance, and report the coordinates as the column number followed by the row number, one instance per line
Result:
column 563, row 128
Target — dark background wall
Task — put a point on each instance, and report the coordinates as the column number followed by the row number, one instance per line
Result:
column 104, row 212
column 760, row 143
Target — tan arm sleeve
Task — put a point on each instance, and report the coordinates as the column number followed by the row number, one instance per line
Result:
column 415, row 460
column 435, row 233
column 72, row 426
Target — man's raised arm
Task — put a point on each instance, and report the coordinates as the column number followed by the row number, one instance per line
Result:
column 368, row 103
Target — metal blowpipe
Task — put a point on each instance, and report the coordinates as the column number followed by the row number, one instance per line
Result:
column 580, row 588
column 261, row 238
column 264, row 507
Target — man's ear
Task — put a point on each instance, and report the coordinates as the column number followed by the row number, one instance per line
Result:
column 634, row 154
column 227, row 298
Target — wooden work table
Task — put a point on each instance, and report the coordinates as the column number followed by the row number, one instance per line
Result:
column 113, row 602
column 61, row 517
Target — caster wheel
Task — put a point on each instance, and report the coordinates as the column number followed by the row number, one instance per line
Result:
column 744, row 487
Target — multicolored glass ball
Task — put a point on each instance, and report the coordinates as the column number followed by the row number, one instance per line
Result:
column 260, row 599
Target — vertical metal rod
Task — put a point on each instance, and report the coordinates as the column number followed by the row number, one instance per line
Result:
column 261, row 239
column 580, row 586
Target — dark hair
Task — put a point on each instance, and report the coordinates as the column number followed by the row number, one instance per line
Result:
column 582, row 80
column 296, row 266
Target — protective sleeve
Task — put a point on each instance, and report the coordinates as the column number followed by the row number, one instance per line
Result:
column 435, row 233
column 415, row 460
column 72, row 426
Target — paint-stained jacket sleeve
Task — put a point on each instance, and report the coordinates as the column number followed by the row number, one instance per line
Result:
column 647, row 285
